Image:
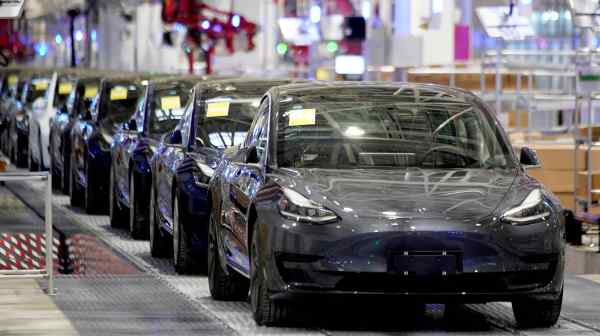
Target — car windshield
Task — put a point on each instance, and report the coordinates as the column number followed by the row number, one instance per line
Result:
column 63, row 90
column 120, row 101
column 38, row 89
column 224, row 121
column 82, row 96
column 385, row 127
column 167, row 108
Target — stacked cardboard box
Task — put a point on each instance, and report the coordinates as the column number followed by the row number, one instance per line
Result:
column 558, row 169
column 514, row 117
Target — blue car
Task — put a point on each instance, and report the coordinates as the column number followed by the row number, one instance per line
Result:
column 216, row 118
column 91, row 138
column 133, row 146
column 79, row 100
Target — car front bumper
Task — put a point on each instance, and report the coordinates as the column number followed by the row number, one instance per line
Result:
column 489, row 262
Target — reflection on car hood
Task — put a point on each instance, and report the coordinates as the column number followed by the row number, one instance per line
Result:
column 402, row 193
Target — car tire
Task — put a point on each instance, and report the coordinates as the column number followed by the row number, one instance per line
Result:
column 223, row 286
column 537, row 313
column 116, row 214
column 75, row 194
column 138, row 226
column 265, row 311
column 159, row 243
column 183, row 259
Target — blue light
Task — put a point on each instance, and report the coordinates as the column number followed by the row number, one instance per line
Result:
column 78, row 35
column 218, row 28
column 58, row 39
column 235, row 20
column 41, row 48
column 205, row 25
column 93, row 35
column 179, row 27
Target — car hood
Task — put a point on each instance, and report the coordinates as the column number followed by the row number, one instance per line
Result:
column 459, row 194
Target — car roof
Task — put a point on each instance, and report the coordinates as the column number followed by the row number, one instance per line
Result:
column 233, row 85
column 423, row 88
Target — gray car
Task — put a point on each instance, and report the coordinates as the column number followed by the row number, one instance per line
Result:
column 407, row 191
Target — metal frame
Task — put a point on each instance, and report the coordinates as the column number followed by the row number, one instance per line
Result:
column 48, row 272
column 586, row 58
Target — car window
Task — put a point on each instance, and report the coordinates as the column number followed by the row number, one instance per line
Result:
column 139, row 113
column 166, row 109
column 187, row 122
column 389, row 128
column 258, row 133
column 120, row 101
column 63, row 90
column 224, row 121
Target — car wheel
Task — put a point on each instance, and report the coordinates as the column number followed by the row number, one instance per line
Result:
column 264, row 310
column 90, row 192
column 183, row 259
column 223, row 286
column 74, row 189
column 116, row 214
column 159, row 244
column 537, row 313
column 138, row 226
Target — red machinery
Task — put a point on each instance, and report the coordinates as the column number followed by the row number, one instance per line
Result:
column 11, row 45
column 207, row 25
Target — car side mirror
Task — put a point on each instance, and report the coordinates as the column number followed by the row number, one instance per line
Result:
column 252, row 155
column 529, row 158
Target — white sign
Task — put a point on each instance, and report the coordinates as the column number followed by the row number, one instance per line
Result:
column 11, row 9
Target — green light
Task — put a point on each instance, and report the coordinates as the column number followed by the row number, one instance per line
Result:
column 282, row 48
column 332, row 46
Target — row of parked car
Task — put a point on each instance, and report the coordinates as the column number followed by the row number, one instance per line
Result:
column 279, row 188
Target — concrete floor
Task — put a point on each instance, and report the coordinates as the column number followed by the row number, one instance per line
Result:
column 25, row 309
column 149, row 298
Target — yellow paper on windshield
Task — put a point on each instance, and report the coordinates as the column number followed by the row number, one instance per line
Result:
column 90, row 91
column 65, row 88
column 302, row 117
column 217, row 109
column 170, row 103
column 118, row 93
column 13, row 79
column 40, row 85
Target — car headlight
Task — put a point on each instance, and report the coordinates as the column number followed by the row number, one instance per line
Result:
column 203, row 174
column 294, row 206
column 533, row 209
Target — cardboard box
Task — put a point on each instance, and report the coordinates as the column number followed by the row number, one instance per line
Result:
column 583, row 131
column 562, row 157
column 582, row 184
column 557, row 181
column 567, row 200
column 514, row 116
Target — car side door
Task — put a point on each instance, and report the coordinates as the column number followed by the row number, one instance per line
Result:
column 171, row 153
column 126, row 141
column 246, row 173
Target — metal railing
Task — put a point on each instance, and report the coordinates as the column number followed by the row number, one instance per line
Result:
column 48, row 270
